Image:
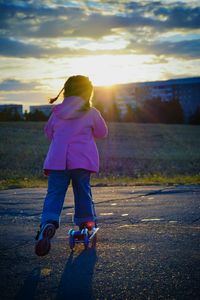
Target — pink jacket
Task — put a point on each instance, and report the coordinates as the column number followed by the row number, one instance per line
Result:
column 72, row 133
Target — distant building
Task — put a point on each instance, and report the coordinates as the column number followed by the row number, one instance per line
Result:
column 13, row 107
column 186, row 91
column 46, row 109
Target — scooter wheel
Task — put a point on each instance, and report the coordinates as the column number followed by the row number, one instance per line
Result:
column 84, row 231
column 71, row 232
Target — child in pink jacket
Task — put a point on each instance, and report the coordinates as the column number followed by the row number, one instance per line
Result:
column 72, row 129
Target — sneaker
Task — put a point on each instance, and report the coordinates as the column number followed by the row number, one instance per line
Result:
column 89, row 225
column 43, row 244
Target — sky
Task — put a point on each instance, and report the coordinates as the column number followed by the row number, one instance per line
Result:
column 42, row 43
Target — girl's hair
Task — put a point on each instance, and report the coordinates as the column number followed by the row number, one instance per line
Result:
column 77, row 86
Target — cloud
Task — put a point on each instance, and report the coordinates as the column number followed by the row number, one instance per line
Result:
column 160, row 59
column 179, row 17
column 32, row 28
column 182, row 49
column 10, row 48
column 17, row 85
column 31, row 20
column 186, row 49
column 20, row 49
column 35, row 20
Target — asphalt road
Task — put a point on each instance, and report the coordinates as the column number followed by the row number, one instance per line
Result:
column 148, row 247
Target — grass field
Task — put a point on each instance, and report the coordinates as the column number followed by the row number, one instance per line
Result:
column 132, row 154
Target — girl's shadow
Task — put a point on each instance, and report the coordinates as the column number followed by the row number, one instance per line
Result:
column 76, row 281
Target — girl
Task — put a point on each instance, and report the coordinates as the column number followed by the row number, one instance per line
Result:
column 73, row 156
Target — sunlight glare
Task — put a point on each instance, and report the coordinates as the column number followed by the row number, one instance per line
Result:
column 106, row 70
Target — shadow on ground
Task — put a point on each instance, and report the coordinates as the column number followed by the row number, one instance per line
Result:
column 76, row 281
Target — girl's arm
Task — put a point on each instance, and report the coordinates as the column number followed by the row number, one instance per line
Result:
column 100, row 129
column 48, row 129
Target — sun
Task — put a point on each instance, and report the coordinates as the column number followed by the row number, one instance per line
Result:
column 106, row 70
column 99, row 68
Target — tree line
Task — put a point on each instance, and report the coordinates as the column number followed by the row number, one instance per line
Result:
column 11, row 114
column 152, row 111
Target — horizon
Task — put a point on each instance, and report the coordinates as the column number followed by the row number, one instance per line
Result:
column 111, row 42
column 26, row 107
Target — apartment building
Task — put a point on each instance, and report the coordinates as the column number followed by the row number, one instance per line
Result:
column 186, row 91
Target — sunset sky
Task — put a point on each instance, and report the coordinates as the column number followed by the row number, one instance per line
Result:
column 42, row 43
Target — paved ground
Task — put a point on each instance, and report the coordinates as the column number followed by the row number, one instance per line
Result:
column 148, row 247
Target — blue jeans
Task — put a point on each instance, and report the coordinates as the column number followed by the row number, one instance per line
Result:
column 58, row 182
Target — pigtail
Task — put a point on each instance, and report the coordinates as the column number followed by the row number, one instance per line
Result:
column 52, row 100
